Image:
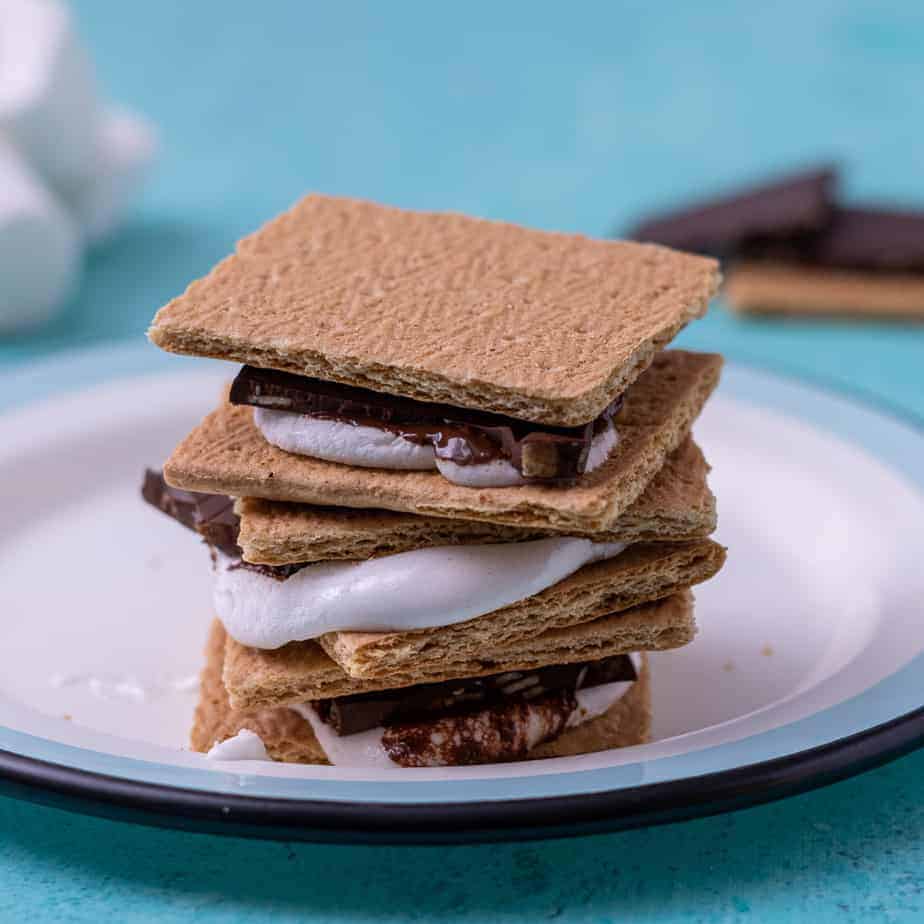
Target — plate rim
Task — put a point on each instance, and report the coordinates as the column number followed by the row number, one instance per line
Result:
column 166, row 805
column 648, row 804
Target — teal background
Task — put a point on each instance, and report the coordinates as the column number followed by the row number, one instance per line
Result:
column 577, row 117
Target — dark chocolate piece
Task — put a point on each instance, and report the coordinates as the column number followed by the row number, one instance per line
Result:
column 361, row 711
column 856, row 238
column 210, row 515
column 795, row 205
column 493, row 735
column 466, row 437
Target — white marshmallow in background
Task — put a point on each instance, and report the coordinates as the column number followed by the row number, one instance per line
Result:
column 49, row 106
column 68, row 163
column 39, row 246
column 128, row 145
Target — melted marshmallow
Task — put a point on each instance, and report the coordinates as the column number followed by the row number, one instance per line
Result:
column 594, row 701
column 364, row 749
column 421, row 589
column 335, row 441
column 373, row 447
column 245, row 745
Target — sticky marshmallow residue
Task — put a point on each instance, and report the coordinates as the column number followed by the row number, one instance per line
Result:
column 126, row 687
column 594, row 701
column 245, row 745
column 364, row 749
column 374, row 447
column 420, row 589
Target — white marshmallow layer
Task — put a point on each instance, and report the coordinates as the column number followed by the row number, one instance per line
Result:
column 420, row 589
column 245, row 745
column 374, row 447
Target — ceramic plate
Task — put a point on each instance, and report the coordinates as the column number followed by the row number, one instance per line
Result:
column 807, row 667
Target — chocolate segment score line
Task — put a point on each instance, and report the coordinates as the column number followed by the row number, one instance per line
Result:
column 465, row 437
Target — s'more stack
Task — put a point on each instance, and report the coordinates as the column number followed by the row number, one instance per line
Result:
column 451, row 498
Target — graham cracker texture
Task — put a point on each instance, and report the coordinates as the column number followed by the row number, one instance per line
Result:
column 676, row 506
column 282, row 730
column 288, row 737
column 304, row 670
column 226, row 454
column 442, row 307
column 771, row 288
column 639, row 575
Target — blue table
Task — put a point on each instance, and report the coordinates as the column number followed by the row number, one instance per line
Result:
column 560, row 117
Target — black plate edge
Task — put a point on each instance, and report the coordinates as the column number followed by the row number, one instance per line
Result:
column 515, row 819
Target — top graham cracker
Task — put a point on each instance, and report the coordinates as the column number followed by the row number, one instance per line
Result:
column 442, row 307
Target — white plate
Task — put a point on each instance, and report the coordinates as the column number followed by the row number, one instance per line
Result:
column 105, row 602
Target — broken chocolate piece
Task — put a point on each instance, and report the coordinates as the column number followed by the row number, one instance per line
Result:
column 361, row 711
column 855, row 238
column 791, row 207
column 210, row 515
column 465, row 437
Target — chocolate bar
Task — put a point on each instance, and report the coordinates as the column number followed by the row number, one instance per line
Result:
column 855, row 238
column 796, row 206
column 466, row 437
column 210, row 515
column 361, row 711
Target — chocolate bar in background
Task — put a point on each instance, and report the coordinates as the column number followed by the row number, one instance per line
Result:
column 792, row 207
column 867, row 239
column 466, row 437
column 791, row 249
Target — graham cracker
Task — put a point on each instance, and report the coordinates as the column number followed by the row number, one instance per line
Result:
column 226, row 454
column 442, row 307
column 639, row 575
column 768, row 288
column 282, row 730
column 676, row 506
column 569, row 624
column 288, row 737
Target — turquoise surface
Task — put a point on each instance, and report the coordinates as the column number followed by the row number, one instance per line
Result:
column 577, row 117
